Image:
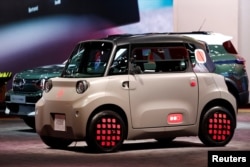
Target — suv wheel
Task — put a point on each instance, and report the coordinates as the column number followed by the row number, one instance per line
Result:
column 30, row 121
column 217, row 127
column 55, row 142
column 106, row 132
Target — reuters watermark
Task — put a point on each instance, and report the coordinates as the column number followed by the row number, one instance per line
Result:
column 228, row 158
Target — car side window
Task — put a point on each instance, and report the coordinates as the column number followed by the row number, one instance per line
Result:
column 160, row 59
column 202, row 67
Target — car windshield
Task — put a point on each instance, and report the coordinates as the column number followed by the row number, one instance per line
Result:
column 88, row 59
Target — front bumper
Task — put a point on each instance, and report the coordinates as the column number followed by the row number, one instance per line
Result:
column 2, row 97
column 2, row 107
column 74, row 118
column 19, row 109
column 21, row 104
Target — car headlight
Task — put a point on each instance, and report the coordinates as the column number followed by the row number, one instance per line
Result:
column 81, row 86
column 47, row 86
column 40, row 83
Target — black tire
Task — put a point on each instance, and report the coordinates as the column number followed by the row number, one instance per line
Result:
column 165, row 141
column 106, row 132
column 217, row 127
column 56, row 142
column 30, row 121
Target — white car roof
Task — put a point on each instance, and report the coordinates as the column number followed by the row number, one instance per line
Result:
column 211, row 39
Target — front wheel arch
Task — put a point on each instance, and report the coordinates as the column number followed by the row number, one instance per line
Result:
column 106, row 131
column 112, row 107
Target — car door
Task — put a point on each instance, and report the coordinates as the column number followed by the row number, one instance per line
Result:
column 162, row 98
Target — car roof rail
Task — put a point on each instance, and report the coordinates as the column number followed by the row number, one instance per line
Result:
column 192, row 32
column 115, row 36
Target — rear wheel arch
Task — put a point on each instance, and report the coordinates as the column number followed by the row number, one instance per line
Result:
column 218, row 102
column 217, row 123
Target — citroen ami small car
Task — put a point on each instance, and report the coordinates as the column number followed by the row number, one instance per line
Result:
column 127, row 87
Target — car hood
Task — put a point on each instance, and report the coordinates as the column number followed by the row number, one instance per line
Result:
column 47, row 71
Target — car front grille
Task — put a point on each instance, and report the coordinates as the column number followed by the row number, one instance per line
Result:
column 26, row 85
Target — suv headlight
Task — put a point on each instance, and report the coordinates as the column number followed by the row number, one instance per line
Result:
column 81, row 86
column 40, row 84
column 47, row 86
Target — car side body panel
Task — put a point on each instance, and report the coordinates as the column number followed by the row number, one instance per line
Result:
column 147, row 121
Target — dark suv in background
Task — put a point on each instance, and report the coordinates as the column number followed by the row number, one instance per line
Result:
column 227, row 61
column 27, row 90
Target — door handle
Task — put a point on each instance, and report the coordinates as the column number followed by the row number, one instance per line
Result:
column 125, row 84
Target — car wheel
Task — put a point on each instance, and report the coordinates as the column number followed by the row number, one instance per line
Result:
column 30, row 121
column 165, row 141
column 106, row 132
column 217, row 127
column 55, row 142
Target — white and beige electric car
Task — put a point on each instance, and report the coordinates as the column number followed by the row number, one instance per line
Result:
column 127, row 87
